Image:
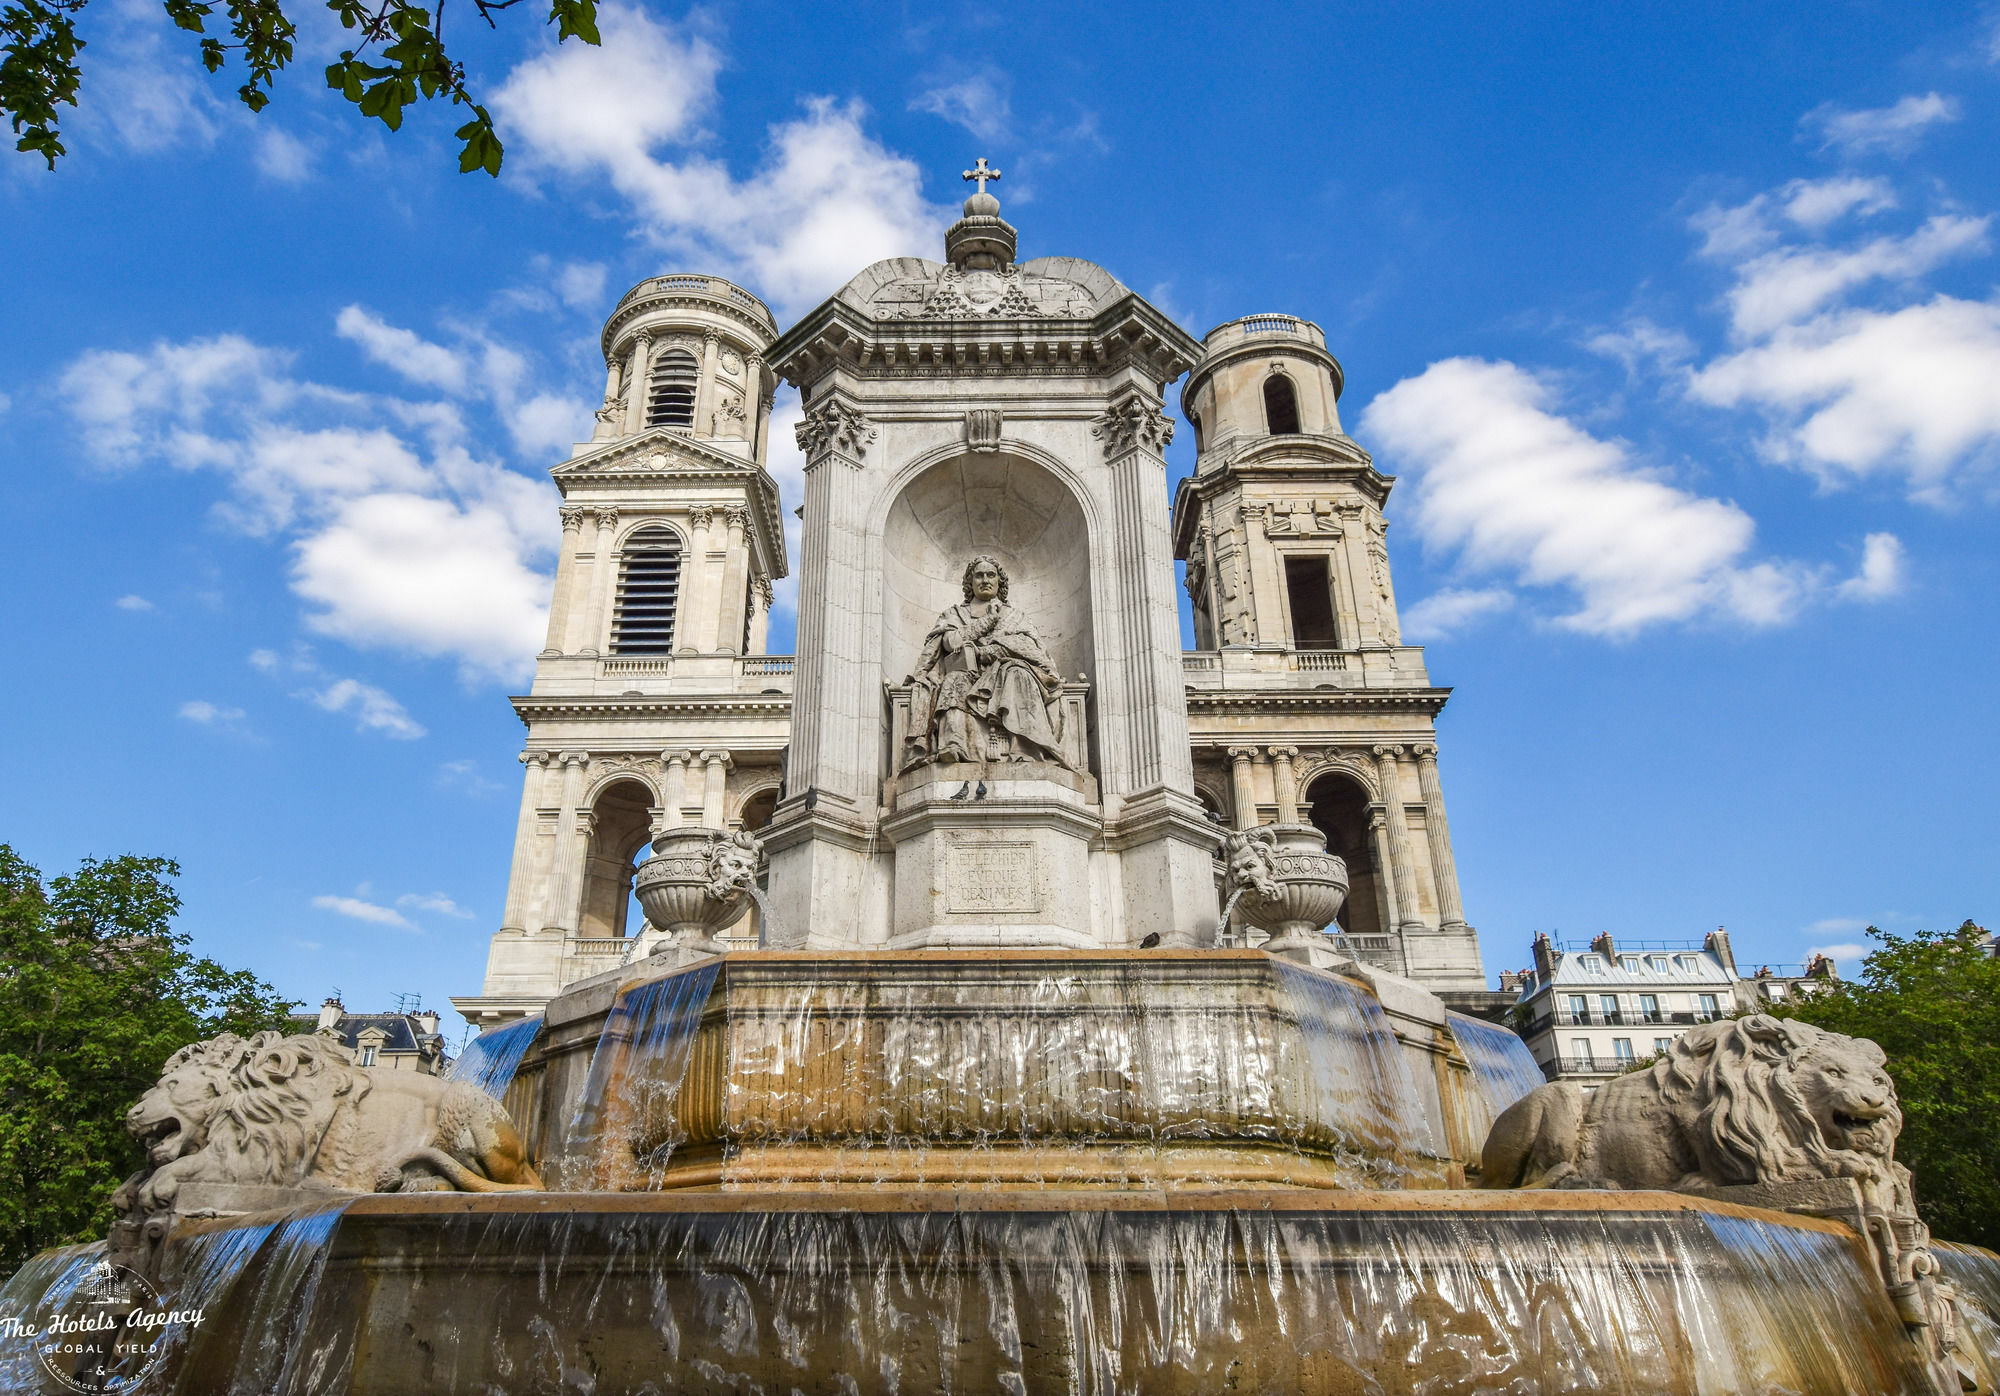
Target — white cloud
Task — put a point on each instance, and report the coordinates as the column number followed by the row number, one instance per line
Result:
column 416, row 358
column 437, row 902
column 787, row 465
column 1881, row 573
column 581, row 284
column 827, row 199
column 373, row 709
column 464, row 776
column 360, row 910
column 1887, row 130
column 1445, row 613
column 143, row 97
column 1854, row 392
column 133, row 602
column 1785, row 285
column 208, row 714
column 401, row 535
column 978, row 103
column 1510, row 486
column 280, row 155
column 1641, row 343
column 1816, row 204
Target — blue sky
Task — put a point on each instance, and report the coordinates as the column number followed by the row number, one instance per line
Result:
column 1679, row 325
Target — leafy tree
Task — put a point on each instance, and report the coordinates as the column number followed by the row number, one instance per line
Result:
column 97, row 990
column 1932, row 1000
column 398, row 58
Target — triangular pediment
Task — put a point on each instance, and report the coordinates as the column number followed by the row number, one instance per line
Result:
column 655, row 451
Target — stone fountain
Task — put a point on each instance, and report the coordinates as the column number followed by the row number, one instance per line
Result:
column 992, row 1108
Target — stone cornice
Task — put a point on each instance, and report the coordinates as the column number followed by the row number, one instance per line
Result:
column 1299, row 460
column 683, row 459
column 1127, row 333
column 1251, row 701
column 625, row 707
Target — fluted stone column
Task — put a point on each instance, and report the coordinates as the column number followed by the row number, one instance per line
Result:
column 676, row 783
column 521, row 875
column 715, row 774
column 735, row 581
column 1287, row 783
column 696, row 626
column 561, row 597
column 595, row 621
column 1242, row 786
column 572, row 845
column 1389, row 774
column 635, row 386
column 1451, row 911
column 1385, row 882
column 704, row 393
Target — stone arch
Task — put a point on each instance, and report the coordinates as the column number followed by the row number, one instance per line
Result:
column 1281, row 404
column 1022, row 510
column 621, row 819
column 1338, row 802
column 1215, row 800
column 652, row 523
column 754, row 807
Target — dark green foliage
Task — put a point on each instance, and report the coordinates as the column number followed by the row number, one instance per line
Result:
column 400, row 59
column 97, row 990
column 1932, row 1000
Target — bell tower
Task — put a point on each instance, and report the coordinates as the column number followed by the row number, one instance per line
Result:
column 654, row 704
column 1304, row 705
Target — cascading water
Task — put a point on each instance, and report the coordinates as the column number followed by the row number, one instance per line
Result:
column 625, row 1120
column 1359, row 1072
column 1975, row 1272
column 490, row 1060
column 1502, row 1067
column 41, row 1286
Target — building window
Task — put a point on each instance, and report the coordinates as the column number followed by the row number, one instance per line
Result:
column 1709, row 1008
column 1591, row 964
column 1774, row 991
column 1621, row 1048
column 649, row 586
column 368, row 1056
column 670, row 399
column 1310, row 590
column 1657, row 963
column 1579, row 1009
column 1649, row 1007
column 1662, row 1046
column 1281, row 406
column 1608, row 1004
column 1579, row 1048
column 1629, row 963
column 1195, row 422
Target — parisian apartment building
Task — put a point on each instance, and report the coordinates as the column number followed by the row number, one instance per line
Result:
column 1588, row 1014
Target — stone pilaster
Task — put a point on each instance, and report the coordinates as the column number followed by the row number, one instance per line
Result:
column 761, row 596
column 1451, row 910
column 1389, row 774
column 521, row 875
column 1385, row 881
column 572, row 845
column 596, row 623
column 705, row 394
column 735, row 581
column 673, row 797
column 635, row 384
column 1286, row 783
column 560, row 598
column 1242, row 785
column 715, row 778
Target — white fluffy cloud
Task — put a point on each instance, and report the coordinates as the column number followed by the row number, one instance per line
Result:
column 437, row 902
column 1881, row 573
column 1508, row 486
column 1886, row 130
column 357, row 909
column 978, row 103
column 827, row 199
column 1782, row 286
column 1445, row 613
column 401, row 535
column 208, row 714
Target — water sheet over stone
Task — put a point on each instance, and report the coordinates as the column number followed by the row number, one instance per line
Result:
column 490, row 1060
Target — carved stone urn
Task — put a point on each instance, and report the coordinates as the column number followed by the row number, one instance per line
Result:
column 1283, row 881
column 696, row 883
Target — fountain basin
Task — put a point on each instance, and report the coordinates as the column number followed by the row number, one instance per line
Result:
column 1191, row 1291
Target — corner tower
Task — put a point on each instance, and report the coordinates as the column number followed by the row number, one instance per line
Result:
column 653, row 703
column 1304, row 705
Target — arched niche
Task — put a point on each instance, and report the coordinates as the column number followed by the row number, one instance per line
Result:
column 1338, row 805
column 987, row 502
column 620, row 830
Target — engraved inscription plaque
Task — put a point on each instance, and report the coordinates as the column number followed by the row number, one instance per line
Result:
column 990, row 877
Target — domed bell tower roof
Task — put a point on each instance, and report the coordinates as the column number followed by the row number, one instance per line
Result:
column 982, row 240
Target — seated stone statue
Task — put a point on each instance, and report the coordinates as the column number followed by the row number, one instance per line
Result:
column 985, row 689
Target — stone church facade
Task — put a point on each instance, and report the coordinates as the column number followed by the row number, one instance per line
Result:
column 974, row 404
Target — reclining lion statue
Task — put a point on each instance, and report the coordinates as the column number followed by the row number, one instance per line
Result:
column 1749, row 1100
column 297, row 1112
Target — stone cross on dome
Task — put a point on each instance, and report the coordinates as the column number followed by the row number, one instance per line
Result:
column 981, row 173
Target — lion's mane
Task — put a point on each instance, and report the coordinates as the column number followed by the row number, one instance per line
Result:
column 269, row 1124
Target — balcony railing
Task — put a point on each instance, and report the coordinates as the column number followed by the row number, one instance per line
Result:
column 661, row 666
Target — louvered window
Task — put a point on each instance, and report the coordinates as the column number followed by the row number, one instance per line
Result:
column 670, row 395
column 649, row 586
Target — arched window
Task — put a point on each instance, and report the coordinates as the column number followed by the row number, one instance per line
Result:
column 649, row 588
column 670, row 396
column 1281, row 406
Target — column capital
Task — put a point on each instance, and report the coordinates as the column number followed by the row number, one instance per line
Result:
column 736, row 516
column 534, row 758
column 575, row 758
column 1386, row 753
column 710, row 338
column 766, row 596
column 1425, row 751
column 715, row 756
column 677, row 757
column 607, row 517
column 1283, row 753
column 1243, row 753
column 572, row 517
column 700, row 516
column 1377, row 821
